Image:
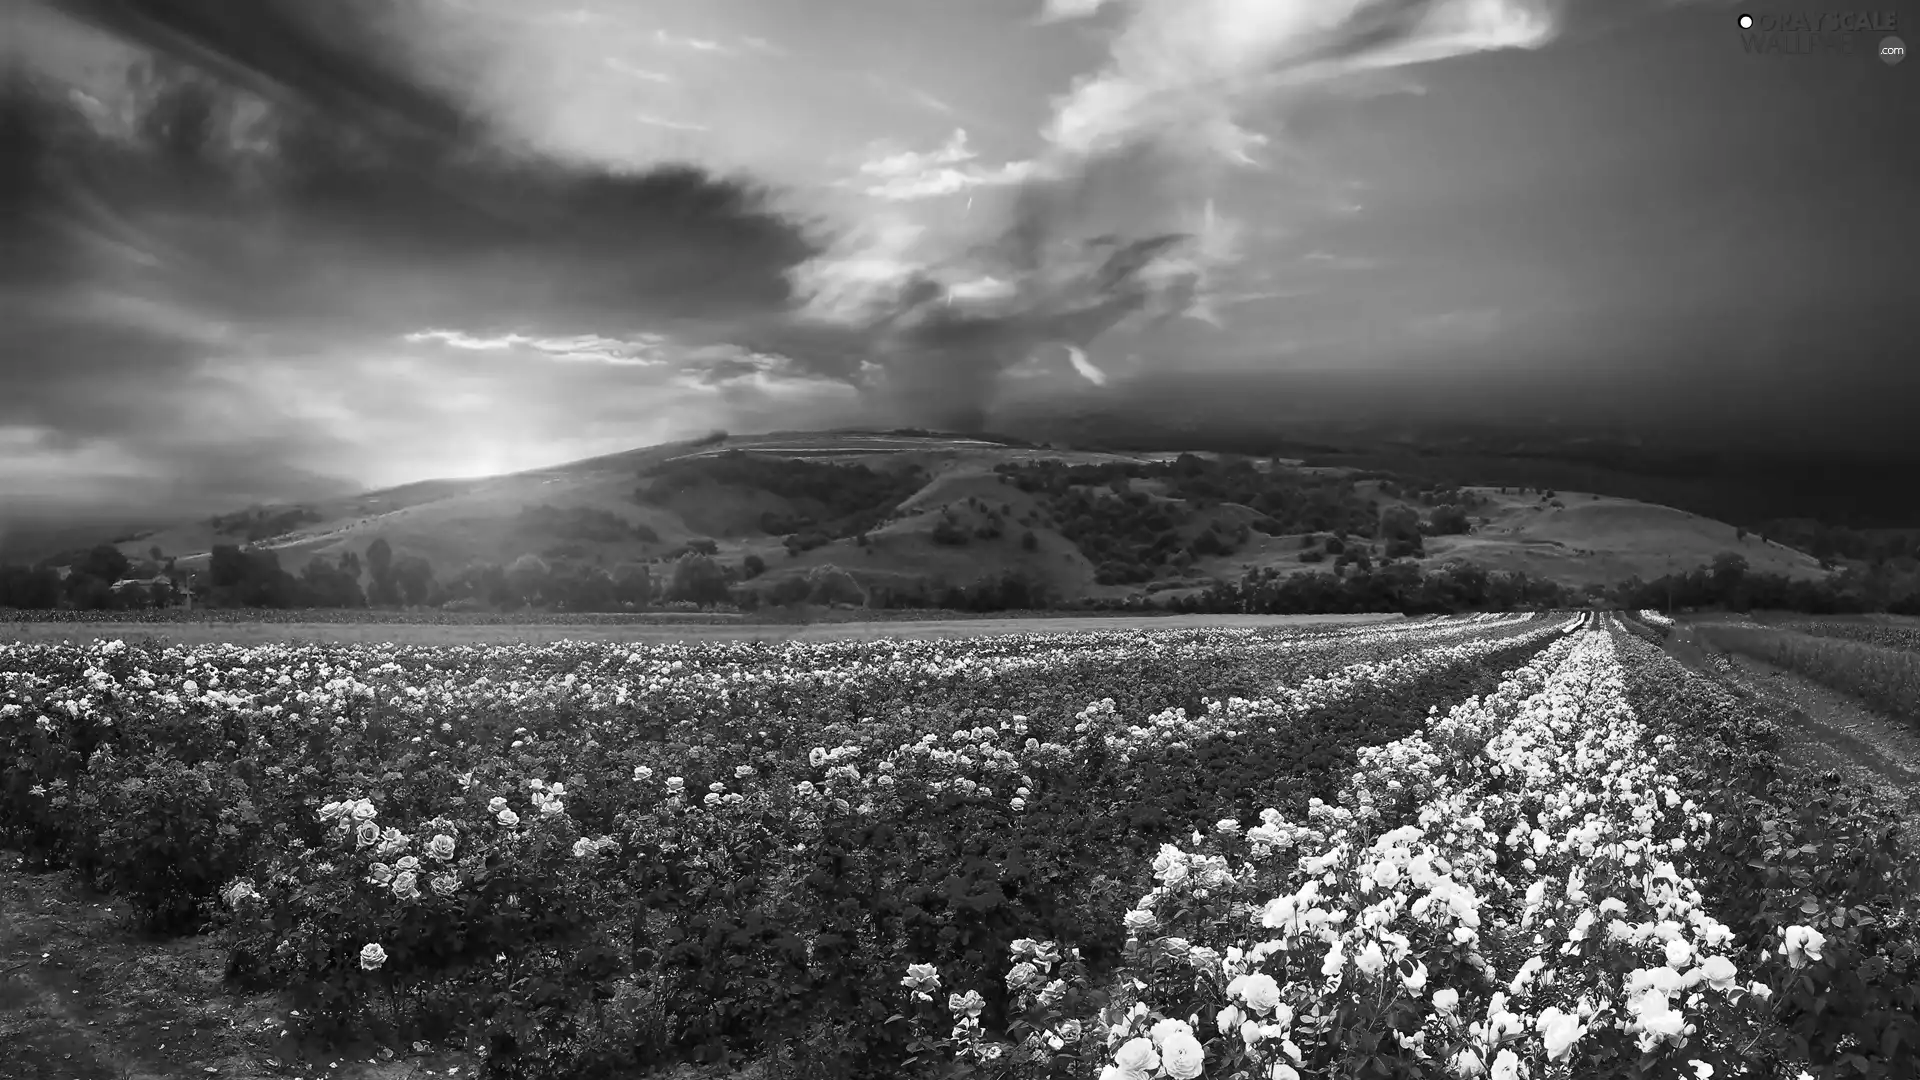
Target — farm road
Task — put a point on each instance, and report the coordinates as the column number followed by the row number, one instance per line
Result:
column 1827, row 729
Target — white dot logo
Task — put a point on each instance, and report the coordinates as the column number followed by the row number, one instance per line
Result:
column 1746, row 22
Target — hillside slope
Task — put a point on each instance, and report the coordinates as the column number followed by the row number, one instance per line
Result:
column 912, row 512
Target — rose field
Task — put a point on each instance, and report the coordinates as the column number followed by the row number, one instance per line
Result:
column 1492, row 845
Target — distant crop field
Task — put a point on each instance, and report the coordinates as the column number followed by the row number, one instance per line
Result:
column 541, row 632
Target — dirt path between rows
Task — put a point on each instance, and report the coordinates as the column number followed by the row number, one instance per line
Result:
column 1826, row 730
column 82, row 997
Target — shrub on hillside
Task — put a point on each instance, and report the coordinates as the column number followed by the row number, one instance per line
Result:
column 831, row 585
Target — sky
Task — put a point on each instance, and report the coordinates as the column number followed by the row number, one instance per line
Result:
column 276, row 250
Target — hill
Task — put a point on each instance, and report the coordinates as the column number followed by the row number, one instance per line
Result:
column 908, row 514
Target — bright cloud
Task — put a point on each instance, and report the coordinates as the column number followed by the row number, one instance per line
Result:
column 948, row 170
column 639, row 351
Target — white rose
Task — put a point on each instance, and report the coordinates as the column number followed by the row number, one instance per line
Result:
column 1370, row 960
column 1678, row 953
column 1446, row 999
column 1230, row 1019
column 1260, row 992
column 1559, row 1031
column 1137, row 1056
column 372, row 956
column 1718, row 971
column 1415, row 980
column 1182, row 1055
column 1167, row 1029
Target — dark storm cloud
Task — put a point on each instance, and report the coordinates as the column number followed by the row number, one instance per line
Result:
column 364, row 151
column 276, row 174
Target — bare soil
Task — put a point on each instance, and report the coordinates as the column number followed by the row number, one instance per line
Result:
column 83, row 997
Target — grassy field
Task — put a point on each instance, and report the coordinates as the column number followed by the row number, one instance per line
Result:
column 253, row 633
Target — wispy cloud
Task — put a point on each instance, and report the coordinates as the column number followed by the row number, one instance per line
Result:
column 1330, row 261
column 671, row 40
column 672, row 125
column 636, row 71
column 638, row 351
column 937, row 104
column 948, row 170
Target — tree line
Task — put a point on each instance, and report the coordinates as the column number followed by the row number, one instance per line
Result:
column 241, row 578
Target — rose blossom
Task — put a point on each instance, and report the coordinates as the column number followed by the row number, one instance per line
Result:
column 1182, row 1055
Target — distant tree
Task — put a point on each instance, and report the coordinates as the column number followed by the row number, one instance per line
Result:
column 379, row 556
column 789, row 591
column 36, row 588
column 413, row 579
column 633, row 585
column 697, row 579
column 103, row 561
column 526, row 578
column 327, row 584
column 385, row 591
column 1029, row 542
column 832, row 585
column 226, row 567
column 155, row 553
column 1728, row 570
column 703, row 545
column 753, row 566
column 1448, row 520
column 1398, row 521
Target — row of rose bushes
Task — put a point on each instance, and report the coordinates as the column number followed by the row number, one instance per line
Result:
column 682, row 692
column 1534, row 885
column 163, row 801
column 760, row 917
column 1795, row 846
column 1503, row 890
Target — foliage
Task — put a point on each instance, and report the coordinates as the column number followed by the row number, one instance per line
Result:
column 827, row 498
column 697, row 579
column 832, row 585
column 583, row 523
column 684, row 873
column 1794, row 847
column 1888, row 679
